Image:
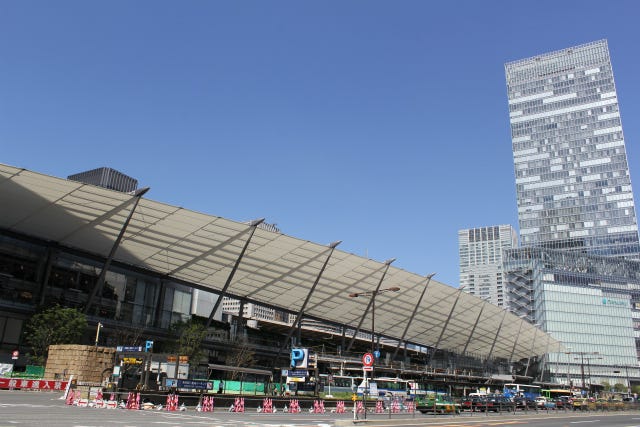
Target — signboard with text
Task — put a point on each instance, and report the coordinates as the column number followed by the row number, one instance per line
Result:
column 13, row 383
column 128, row 349
column 189, row 384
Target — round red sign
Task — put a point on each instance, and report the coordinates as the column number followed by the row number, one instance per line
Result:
column 367, row 359
column 15, row 354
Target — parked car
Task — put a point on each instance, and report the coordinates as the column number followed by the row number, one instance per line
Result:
column 580, row 404
column 561, row 403
column 479, row 403
column 524, row 403
column 498, row 402
column 466, row 404
column 544, row 403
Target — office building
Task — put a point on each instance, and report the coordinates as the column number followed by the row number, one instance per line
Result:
column 576, row 273
column 106, row 178
column 481, row 260
column 572, row 178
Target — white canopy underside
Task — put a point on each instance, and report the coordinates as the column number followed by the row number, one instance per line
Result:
column 276, row 270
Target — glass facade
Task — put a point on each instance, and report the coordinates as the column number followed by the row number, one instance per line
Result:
column 589, row 303
column 577, row 273
column 33, row 274
column 572, row 179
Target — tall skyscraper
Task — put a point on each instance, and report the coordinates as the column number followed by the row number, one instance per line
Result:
column 577, row 273
column 481, row 260
column 572, row 179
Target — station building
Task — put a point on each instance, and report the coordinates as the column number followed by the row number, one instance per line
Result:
column 133, row 265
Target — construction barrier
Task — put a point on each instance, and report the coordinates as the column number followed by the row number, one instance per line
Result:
column 172, row 402
column 207, row 404
column 238, row 405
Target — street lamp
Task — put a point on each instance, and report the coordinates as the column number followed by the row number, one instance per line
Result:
column 568, row 353
column 581, row 359
column 372, row 302
column 373, row 295
column 100, row 325
column 589, row 359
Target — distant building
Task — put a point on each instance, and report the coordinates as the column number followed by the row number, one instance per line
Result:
column 481, row 260
column 203, row 302
column 107, row 178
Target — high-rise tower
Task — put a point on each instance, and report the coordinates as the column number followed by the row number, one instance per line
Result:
column 572, row 179
column 481, row 260
column 576, row 274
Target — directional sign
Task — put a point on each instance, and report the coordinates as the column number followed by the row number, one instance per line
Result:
column 129, row 349
column 367, row 359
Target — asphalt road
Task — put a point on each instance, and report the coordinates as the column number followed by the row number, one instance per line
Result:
column 43, row 409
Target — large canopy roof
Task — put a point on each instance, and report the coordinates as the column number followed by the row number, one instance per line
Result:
column 276, row 270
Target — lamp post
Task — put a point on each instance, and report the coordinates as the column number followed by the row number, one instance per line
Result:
column 373, row 294
column 589, row 359
column 568, row 353
column 581, row 359
column 98, row 332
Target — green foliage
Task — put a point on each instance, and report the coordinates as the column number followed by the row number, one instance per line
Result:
column 620, row 388
column 188, row 337
column 54, row 325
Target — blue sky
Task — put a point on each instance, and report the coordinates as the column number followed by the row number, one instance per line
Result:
column 383, row 124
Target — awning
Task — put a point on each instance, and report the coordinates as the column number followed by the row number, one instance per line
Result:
column 277, row 270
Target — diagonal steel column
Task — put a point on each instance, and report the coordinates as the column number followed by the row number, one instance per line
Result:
column 515, row 342
column 355, row 333
column 533, row 344
column 298, row 321
column 254, row 225
column 103, row 274
column 415, row 310
column 493, row 345
column 444, row 327
column 473, row 330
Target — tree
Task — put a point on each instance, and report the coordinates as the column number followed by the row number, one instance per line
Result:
column 188, row 337
column 619, row 387
column 53, row 325
column 243, row 356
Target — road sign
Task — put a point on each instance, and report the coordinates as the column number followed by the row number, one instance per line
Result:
column 367, row 359
column 367, row 368
column 129, row 349
column 15, row 354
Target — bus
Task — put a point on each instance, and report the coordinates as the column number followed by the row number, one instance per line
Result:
column 522, row 390
column 340, row 383
column 555, row 393
column 385, row 386
column 391, row 387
